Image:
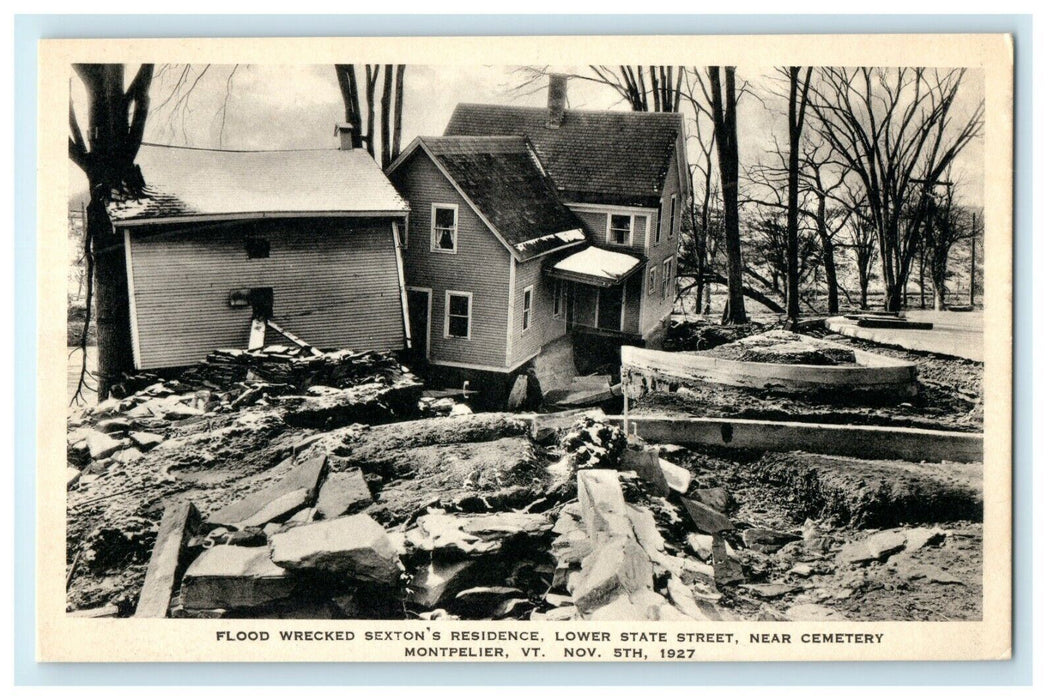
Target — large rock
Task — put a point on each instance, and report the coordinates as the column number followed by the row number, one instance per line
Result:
column 472, row 535
column 727, row 569
column 343, row 492
column 101, row 445
column 301, row 479
column 146, row 441
column 603, row 506
column 229, row 576
column 374, row 402
column 618, row 567
column 354, row 546
column 763, row 539
column 678, row 479
column 439, row 581
column 717, row 498
column 647, row 464
column 706, row 519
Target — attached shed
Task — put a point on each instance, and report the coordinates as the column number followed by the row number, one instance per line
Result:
column 310, row 239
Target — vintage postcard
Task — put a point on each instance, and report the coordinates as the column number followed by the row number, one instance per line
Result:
column 525, row 349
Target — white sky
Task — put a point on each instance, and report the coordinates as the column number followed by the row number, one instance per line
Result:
column 292, row 107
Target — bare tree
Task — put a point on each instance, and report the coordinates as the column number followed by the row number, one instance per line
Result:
column 947, row 225
column 643, row 88
column 722, row 105
column 798, row 102
column 891, row 127
column 117, row 116
column 389, row 139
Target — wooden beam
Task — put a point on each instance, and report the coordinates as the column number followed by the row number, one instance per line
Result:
column 177, row 524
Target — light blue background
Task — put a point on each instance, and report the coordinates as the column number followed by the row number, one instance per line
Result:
column 29, row 28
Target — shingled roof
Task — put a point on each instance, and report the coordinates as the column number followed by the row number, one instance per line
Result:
column 185, row 184
column 604, row 157
column 503, row 178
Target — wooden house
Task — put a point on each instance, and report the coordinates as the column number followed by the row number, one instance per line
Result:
column 531, row 224
column 308, row 238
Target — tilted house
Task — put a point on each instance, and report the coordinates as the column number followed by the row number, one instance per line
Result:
column 625, row 176
column 309, row 239
column 485, row 220
column 529, row 224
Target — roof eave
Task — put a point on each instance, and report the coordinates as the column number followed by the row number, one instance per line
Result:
column 204, row 218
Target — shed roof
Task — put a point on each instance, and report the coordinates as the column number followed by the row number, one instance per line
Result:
column 596, row 266
column 606, row 157
column 505, row 181
column 192, row 183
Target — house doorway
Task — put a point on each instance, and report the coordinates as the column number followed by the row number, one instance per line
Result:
column 419, row 303
column 609, row 308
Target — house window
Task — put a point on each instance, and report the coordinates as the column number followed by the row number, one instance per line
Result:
column 558, row 298
column 444, row 228
column 458, row 315
column 658, row 224
column 620, row 229
column 673, row 216
column 667, row 276
column 256, row 247
column 651, row 280
column 528, row 301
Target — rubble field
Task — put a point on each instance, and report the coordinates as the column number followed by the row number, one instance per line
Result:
column 950, row 396
column 265, row 493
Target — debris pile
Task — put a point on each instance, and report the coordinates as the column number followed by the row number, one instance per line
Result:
column 292, row 366
column 255, row 513
column 785, row 348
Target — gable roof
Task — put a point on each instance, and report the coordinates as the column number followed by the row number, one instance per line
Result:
column 186, row 184
column 504, row 181
column 593, row 156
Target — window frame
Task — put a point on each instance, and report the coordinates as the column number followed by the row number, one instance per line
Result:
column 667, row 276
column 651, row 279
column 446, row 315
column 673, row 215
column 558, row 298
column 527, row 309
column 433, row 241
column 658, row 225
column 629, row 229
column 257, row 243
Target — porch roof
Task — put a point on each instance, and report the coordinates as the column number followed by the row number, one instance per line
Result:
column 596, row 267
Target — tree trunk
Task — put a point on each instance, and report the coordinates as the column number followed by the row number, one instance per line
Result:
column 386, row 118
column 728, row 162
column 371, row 107
column 397, row 119
column 112, row 320
column 830, row 272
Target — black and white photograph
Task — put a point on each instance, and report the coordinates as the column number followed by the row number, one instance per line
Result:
column 629, row 343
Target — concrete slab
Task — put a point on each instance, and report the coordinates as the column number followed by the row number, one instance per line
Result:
column 956, row 334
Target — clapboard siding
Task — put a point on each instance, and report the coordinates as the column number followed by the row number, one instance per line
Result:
column 544, row 325
column 336, row 285
column 654, row 308
column 480, row 266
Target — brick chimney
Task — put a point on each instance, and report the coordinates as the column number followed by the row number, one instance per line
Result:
column 346, row 133
column 557, row 100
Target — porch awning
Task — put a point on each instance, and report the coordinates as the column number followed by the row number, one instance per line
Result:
column 596, row 267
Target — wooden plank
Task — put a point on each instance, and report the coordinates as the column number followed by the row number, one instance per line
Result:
column 293, row 338
column 257, row 331
column 177, row 524
column 866, row 442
